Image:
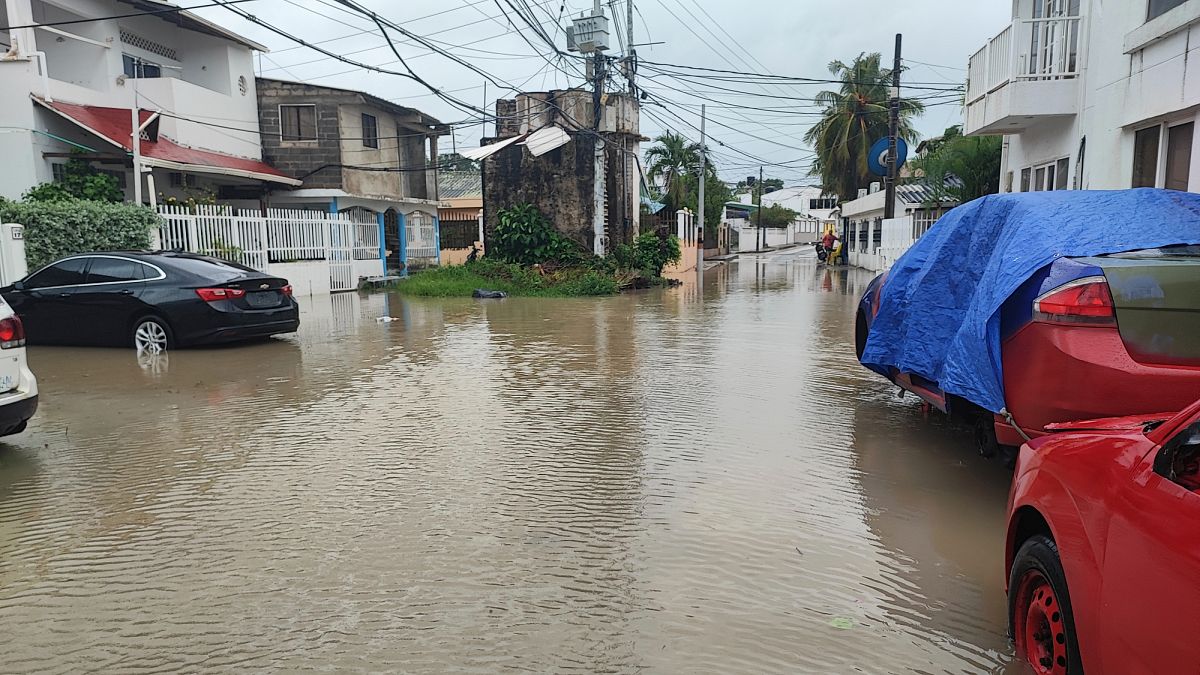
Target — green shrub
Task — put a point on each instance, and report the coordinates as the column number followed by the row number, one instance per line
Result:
column 57, row 228
column 653, row 252
column 80, row 181
column 591, row 282
column 523, row 235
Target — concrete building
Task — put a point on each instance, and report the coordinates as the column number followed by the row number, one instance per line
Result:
column 352, row 151
column 1091, row 94
column 70, row 90
column 583, row 176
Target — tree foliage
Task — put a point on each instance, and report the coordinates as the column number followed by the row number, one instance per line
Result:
column 775, row 215
column 523, row 235
column 451, row 161
column 769, row 184
column 852, row 119
column 962, row 168
column 79, row 181
column 65, row 226
column 672, row 164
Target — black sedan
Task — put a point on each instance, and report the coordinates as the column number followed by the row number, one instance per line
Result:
column 151, row 301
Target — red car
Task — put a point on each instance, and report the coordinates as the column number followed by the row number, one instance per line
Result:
column 1103, row 548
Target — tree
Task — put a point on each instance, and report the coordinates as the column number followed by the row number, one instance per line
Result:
column 961, row 167
column 854, row 117
column 671, row 162
column 450, row 161
column 775, row 215
column 79, row 181
column 769, row 185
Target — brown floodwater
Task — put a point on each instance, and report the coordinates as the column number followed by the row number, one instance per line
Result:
column 674, row 481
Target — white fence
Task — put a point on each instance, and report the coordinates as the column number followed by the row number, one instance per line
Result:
column 281, row 237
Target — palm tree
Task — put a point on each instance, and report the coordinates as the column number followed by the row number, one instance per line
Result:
column 853, row 118
column 671, row 162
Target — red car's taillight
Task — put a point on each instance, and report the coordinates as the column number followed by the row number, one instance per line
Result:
column 286, row 290
column 1083, row 301
column 12, row 333
column 215, row 294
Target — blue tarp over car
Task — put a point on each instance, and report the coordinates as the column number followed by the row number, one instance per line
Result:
column 939, row 310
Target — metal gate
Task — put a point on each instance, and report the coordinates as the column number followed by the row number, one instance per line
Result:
column 341, row 255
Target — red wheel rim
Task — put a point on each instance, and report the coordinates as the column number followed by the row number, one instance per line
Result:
column 1038, row 625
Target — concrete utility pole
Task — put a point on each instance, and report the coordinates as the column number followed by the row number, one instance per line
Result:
column 889, row 206
column 631, row 51
column 700, row 209
column 759, row 236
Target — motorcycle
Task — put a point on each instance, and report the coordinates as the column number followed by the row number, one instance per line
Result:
column 822, row 252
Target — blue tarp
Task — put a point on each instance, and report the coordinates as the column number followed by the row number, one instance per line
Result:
column 939, row 310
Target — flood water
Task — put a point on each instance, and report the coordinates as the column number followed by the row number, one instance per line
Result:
column 673, row 481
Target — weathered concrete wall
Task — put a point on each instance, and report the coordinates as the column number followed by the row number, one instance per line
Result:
column 300, row 158
column 559, row 183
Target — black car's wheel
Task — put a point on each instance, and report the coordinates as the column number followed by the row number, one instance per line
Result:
column 151, row 335
column 1039, row 609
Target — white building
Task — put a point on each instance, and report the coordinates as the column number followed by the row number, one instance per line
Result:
column 874, row 243
column 1091, row 94
column 70, row 86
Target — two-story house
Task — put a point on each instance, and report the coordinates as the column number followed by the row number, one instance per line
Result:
column 354, row 151
column 1091, row 94
column 73, row 71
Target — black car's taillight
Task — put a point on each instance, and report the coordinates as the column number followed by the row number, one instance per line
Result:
column 12, row 333
column 216, row 294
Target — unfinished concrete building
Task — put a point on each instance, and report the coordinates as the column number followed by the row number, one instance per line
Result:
column 585, row 178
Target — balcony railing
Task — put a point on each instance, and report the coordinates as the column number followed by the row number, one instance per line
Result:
column 1029, row 49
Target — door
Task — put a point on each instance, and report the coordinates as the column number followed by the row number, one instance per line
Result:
column 1152, row 561
column 108, row 301
column 43, row 302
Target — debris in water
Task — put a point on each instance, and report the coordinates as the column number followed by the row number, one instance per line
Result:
column 842, row 623
column 482, row 293
column 386, row 319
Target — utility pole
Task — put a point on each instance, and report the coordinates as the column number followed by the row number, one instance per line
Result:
column 700, row 206
column 758, row 235
column 631, row 51
column 889, row 206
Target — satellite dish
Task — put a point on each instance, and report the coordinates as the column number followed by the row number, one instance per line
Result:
column 878, row 156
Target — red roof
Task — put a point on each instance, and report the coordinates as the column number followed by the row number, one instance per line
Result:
column 114, row 125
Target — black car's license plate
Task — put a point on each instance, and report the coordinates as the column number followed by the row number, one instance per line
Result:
column 263, row 299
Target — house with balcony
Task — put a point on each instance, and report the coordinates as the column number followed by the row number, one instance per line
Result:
column 1091, row 95
column 352, row 152
column 76, row 74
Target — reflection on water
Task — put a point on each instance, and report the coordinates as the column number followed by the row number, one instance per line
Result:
column 697, row 479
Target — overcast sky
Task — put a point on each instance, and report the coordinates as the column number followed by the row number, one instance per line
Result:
column 796, row 38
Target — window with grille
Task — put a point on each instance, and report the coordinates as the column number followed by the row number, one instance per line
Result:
column 459, row 233
column 298, row 122
column 59, row 171
column 370, row 131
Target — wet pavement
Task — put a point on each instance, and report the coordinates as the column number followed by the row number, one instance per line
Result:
column 672, row 481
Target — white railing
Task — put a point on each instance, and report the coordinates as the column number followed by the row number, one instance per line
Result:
column 1028, row 49
column 420, row 235
column 255, row 239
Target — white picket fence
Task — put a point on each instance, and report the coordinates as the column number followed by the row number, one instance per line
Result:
column 281, row 236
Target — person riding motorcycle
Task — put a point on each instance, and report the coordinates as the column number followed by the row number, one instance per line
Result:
column 828, row 243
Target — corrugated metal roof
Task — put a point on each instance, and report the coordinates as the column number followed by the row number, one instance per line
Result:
column 922, row 193
column 460, row 184
column 546, row 139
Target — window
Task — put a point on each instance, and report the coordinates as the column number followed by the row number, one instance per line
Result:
column 1046, row 177
column 65, row 273
column 298, row 122
column 370, row 131
column 58, row 171
column 138, row 68
column 1162, row 156
column 1179, row 156
column 1145, row 157
column 182, row 180
column 116, row 270
column 822, row 203
column 1160, row 7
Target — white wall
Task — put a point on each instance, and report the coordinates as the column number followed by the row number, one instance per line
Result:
column 1134, row 74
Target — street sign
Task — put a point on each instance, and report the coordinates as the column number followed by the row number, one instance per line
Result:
column 877, row 157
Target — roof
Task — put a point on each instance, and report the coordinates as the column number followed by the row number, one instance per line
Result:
column 114, row 126
column 908, row 196
column 371, row 99
column 189, row 21
column 460, row 184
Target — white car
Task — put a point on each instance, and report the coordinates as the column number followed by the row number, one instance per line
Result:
column 18, row 386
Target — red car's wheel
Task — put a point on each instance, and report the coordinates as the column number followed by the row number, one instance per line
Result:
column 1040, row 610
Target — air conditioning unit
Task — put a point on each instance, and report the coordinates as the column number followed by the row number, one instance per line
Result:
column 876, row 186
column 862, row 192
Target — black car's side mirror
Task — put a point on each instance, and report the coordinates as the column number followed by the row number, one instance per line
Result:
column 19, row 286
